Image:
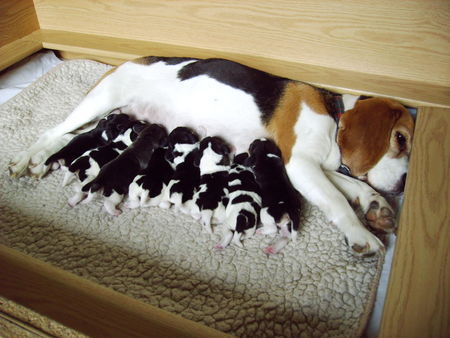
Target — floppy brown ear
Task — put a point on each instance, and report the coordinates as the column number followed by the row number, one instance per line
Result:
column 364, row 134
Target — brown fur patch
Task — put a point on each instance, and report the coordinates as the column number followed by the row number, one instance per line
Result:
column 365, row 132
column 281, row 126
column 144, row 60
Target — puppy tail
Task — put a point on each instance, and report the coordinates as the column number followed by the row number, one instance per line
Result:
column 92, row 186
column 245, row 220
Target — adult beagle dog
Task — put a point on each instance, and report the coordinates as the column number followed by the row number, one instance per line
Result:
column 239, row 103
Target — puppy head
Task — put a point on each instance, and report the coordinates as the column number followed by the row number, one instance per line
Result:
column 183, row 135
column 155, row 134
column 181, row 141
column 241, row 159
column 261, row 149
column 213, row 151
column 375, row 140
column 114, row 124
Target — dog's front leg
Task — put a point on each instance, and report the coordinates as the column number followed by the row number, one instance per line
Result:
column 100, row 101
column 377, row 210
column 310, row 180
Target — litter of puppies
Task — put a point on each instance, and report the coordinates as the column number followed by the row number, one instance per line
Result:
column 122, row 158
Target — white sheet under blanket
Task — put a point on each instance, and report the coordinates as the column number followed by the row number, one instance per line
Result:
column 21, row 75
column 26, row 72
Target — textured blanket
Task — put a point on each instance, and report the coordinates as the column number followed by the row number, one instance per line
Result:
column 314, row 287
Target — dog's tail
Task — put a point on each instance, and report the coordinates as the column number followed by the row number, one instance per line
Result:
column 245, row 220
column 92, row 186
column 289, row 224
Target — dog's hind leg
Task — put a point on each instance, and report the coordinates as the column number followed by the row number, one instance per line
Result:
column 206, row 216
column 269, row 227
column 277, row 246
column 102, row 99
column 226, row 239
column 111, row 203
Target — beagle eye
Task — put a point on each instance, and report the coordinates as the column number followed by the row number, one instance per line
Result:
column 401, row 141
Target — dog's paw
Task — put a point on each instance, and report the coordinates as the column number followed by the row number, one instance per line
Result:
column 363, row 242
column 19, row 164
column 380, row 215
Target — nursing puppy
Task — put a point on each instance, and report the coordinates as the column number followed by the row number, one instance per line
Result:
column 116, row 176
column 182, row 153
column 213, row 160
column 88, row 166
column 244, row 203
column 106, row 130
column 281, row 202
column 148, row 189
column 240, row 104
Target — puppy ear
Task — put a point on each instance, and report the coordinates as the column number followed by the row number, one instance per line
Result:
column 253, row 145
column 197, row 158
column 250, row 161
column 164, row 142
column 169, row 154
column 139, row 127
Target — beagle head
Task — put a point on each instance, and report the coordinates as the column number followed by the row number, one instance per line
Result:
column 375, row 139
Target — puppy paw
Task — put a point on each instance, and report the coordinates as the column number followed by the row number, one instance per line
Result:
column 219, row 246
column 267, row 230
column 131, row 204
column 363, row 242
column 380, row 215
column 270, row 250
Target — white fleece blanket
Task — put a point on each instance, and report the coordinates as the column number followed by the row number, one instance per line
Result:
column 315, row 287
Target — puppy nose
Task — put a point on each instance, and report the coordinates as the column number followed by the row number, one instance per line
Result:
column 401, row 186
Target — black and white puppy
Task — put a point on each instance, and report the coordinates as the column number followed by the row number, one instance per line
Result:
column 88, row 166
column 116, row 176
column 213, row 160
column 107, row 129
column 244, row 203
column 148, row 189
column 181, row 154
column 281, row 202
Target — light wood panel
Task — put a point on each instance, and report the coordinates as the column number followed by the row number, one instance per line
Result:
column 17, row 19
column 85, row 306
column 418, row 298
column 19, row 49
column 116, row 49
column 407, row 40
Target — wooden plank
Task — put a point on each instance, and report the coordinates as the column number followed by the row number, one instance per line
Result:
column 107, row 48
column 407, row 40
column 17, row 19
column 418, row 298
column 85, row 306
column 19, row 49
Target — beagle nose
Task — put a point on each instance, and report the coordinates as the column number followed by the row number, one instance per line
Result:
column 401, row 186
